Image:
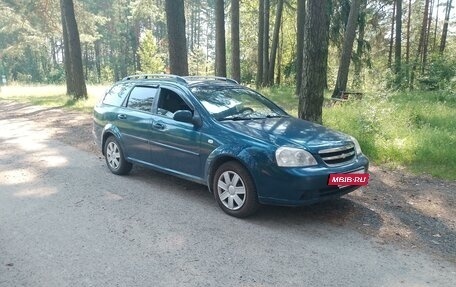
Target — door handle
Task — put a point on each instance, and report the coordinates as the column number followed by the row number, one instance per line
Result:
column 159, row 126
column 121, row 117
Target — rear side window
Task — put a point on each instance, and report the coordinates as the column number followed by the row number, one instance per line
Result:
column 141, row 98
column 117, row 94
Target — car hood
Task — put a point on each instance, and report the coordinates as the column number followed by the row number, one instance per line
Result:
column 290, row 131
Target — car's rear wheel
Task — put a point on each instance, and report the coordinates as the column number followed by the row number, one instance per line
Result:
column 234, row 190
column 115, row 158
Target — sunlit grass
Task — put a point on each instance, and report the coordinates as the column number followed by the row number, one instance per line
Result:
column 416, row 130
column 51, row 96
column 411, row 130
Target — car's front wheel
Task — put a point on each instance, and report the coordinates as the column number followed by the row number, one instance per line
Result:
column 234, row 190
column 115, row 158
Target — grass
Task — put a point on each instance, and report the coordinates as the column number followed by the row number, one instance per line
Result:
column 413, row 130
column 51, row 96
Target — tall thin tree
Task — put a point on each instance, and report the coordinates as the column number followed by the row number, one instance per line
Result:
column 407, row 46
column 300, row 18
column 235, row 50
column 266, row 10
column 315, row 61
column 177, row 46
column 347, row 49
column 275, row 42
column 259, row 75
column 445, row 27
column 220, row 43
column 419, row 54
column 398, row 42
column 391, row 42
column 358, row 56
column 436, row 25
column 74, row 72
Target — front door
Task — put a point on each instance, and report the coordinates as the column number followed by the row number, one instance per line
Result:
column 175, row 145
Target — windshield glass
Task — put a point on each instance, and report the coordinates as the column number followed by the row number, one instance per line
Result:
column 236, row 103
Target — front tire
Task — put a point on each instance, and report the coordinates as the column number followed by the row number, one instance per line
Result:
column 234, row 190
column 115, row 157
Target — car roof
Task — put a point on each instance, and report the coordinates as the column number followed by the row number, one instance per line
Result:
column 188, row 81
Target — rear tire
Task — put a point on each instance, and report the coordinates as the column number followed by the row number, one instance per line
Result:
column 115, row 157
column 234, row 190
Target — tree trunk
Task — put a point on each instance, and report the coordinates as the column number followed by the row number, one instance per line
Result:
column 391, row 42
column 419, row 54
column 398, row 42
column 315, row 61
column 347, row 49
column 53, row 52
column 428, row 35
column 98, row 59
column 259, row 75
column 177, row 46
column 279, row 58
column 235, row 50
column 436, row 25
column 445, row 27
column 300, row 18
column 357, row 60
column 275, row 42
column 76, row 86
column 220, row 48
column 407, row 48
column 266, row 42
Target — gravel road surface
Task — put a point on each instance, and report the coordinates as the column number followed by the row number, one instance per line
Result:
column 65, row 220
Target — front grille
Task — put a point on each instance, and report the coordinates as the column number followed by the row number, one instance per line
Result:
column 338, row 156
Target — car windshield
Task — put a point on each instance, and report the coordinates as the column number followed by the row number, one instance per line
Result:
column 236, row 103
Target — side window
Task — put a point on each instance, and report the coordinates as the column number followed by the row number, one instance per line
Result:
column 169, row 102
column 117, row 94
column 141, row 98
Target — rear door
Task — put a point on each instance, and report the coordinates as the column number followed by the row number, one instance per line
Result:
column 134, row 123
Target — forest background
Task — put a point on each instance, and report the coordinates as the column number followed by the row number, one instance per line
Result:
column 400, row 54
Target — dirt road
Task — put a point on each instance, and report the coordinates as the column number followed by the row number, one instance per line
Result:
column 65, row 220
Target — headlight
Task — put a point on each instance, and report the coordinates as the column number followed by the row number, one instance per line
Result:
column 294, row 157
column 357, row 147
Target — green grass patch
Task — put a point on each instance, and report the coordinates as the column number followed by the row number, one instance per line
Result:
column 416, row 130
column 51, row 96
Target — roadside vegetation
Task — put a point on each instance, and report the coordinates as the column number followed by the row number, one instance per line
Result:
column 413, row 130
column 51, row 96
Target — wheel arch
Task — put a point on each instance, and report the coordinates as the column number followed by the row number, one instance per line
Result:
column 108, row 131
column 220, row 160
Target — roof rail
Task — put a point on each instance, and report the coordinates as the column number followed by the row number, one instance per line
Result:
column 211, row 78
column 154, row 76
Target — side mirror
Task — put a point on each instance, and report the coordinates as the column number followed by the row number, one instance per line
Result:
column 187, row 116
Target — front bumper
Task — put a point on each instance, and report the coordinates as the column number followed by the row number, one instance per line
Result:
column 303, row 186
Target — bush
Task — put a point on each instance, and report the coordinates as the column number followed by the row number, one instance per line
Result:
column 439, row 75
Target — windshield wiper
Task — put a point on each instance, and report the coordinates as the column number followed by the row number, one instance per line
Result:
column 274, row 116
column 236, row 118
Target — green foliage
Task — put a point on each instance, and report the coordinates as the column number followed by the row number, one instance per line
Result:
column 151, row 61
column 440, row 74
column 198, row 64
column 415, row 130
